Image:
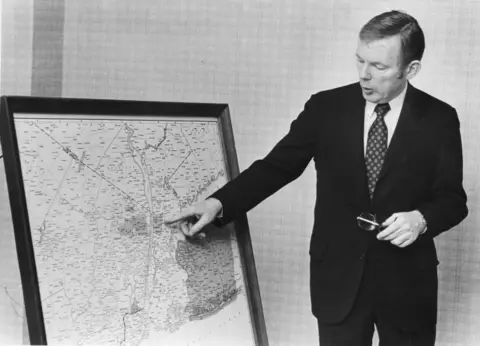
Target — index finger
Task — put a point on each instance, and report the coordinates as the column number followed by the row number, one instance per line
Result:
column 185, row 214
column 392, row 228
column 390, row 220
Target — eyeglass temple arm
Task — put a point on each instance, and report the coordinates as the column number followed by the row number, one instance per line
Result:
column 368, row 221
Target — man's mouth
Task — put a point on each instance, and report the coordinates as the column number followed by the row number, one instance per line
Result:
column 367, row 90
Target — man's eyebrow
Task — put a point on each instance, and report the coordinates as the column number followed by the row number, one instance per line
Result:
column 371, row 62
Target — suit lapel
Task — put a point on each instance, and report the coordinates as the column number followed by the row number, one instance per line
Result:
column 355, row 110
column 405, row 132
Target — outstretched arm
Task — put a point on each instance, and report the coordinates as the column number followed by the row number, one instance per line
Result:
column 285, row 162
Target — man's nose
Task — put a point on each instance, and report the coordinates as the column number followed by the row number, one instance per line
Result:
column 364, row 72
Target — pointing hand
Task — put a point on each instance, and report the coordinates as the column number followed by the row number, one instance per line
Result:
column 194, row 218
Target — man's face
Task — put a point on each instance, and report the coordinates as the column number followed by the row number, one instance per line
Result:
column 381, row 73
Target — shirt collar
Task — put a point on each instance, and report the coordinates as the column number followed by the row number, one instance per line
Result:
column 395, row 104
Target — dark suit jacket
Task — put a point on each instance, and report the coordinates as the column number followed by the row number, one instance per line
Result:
column 422, row 170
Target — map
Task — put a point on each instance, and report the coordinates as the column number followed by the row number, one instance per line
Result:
column 110, row 271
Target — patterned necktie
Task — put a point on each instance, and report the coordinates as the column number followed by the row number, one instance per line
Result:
column 376, row 146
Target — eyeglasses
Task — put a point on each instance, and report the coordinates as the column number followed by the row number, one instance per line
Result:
column 368, row 222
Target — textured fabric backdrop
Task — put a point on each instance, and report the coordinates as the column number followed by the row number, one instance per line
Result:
column 264, row 58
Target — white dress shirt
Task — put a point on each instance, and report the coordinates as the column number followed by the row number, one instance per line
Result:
column 391, row 118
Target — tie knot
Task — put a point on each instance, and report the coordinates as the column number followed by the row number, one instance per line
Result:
column 381, row 109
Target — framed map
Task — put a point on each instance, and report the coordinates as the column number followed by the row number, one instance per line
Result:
column 89, row 184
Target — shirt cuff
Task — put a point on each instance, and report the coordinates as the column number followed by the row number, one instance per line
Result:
column 424, row 223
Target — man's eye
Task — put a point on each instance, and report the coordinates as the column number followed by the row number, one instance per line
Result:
column 380, row 67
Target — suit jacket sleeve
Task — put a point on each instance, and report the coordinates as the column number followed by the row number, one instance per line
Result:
column 285, row 162
column 447, row 205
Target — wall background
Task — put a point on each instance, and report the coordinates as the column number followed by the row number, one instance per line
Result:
column 263, row 58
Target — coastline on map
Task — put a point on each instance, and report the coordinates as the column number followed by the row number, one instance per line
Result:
column 200, row 312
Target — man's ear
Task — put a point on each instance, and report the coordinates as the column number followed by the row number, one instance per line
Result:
column 412, row 69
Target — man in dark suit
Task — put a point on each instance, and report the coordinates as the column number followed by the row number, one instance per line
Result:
column 388, row 160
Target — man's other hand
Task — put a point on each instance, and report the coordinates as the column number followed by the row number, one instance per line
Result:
column 402, row 229
column 193, row 219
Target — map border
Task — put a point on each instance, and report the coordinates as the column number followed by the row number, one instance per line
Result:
column 12, row 105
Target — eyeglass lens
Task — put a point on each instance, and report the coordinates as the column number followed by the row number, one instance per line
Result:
column 367, row 221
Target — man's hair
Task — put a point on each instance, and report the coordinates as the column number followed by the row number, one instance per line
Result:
column 394, row 23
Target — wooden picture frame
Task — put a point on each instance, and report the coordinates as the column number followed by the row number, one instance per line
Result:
column 18, row 141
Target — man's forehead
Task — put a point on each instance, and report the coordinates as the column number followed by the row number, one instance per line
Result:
column 381, row 42
column 388, row 48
